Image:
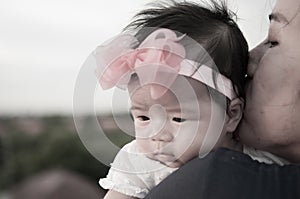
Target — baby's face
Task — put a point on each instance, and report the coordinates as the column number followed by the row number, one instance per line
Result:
column 171, row 129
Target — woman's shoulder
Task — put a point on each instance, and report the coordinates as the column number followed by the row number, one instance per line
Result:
column 225, row 173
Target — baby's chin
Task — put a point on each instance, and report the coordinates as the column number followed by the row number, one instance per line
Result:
column 174, row 164
column 169, row 162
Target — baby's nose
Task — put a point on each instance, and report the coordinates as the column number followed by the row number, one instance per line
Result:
column 163, row 136
column 160, row 125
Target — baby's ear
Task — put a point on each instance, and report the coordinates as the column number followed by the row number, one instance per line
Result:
column 235, row 113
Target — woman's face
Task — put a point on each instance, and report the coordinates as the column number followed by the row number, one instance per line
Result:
column 272, row 114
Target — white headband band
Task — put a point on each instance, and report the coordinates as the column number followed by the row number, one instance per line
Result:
column 159, row 52
column 205, row 74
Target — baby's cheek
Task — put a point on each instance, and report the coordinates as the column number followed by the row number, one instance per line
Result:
column 190, row 139
column 144, row 145
column 145, row 130
column 192, row 149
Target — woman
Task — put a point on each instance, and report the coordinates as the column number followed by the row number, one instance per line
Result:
column 271, row 123
column 272, row 114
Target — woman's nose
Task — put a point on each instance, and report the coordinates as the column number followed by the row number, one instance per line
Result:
column 255, row 56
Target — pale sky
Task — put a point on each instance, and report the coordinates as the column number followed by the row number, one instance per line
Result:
column 43, row 44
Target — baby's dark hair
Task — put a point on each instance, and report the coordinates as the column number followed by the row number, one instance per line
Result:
column 212, row 26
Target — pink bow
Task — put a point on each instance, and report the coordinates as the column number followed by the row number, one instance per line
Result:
column 119, row 59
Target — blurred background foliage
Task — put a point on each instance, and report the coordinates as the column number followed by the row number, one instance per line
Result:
column 30, row 145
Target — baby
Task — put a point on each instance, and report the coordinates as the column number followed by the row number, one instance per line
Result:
column 185, row 72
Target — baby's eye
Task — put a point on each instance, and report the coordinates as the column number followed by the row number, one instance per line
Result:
column 178, row 119
column 248, row 77
column 143, row 118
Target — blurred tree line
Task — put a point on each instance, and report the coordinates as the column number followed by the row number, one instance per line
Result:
column 56, row 146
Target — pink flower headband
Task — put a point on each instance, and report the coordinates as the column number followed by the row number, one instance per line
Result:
column 158, row 59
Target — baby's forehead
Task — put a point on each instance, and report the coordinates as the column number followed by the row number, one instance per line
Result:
column 199, row 88
column 184, row 90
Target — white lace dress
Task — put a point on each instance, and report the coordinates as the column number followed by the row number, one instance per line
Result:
column 264, row 156
column 133, row 174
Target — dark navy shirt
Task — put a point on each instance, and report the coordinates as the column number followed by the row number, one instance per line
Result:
column 227, row 174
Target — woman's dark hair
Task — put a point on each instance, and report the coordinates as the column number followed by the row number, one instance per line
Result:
column 212, row 26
